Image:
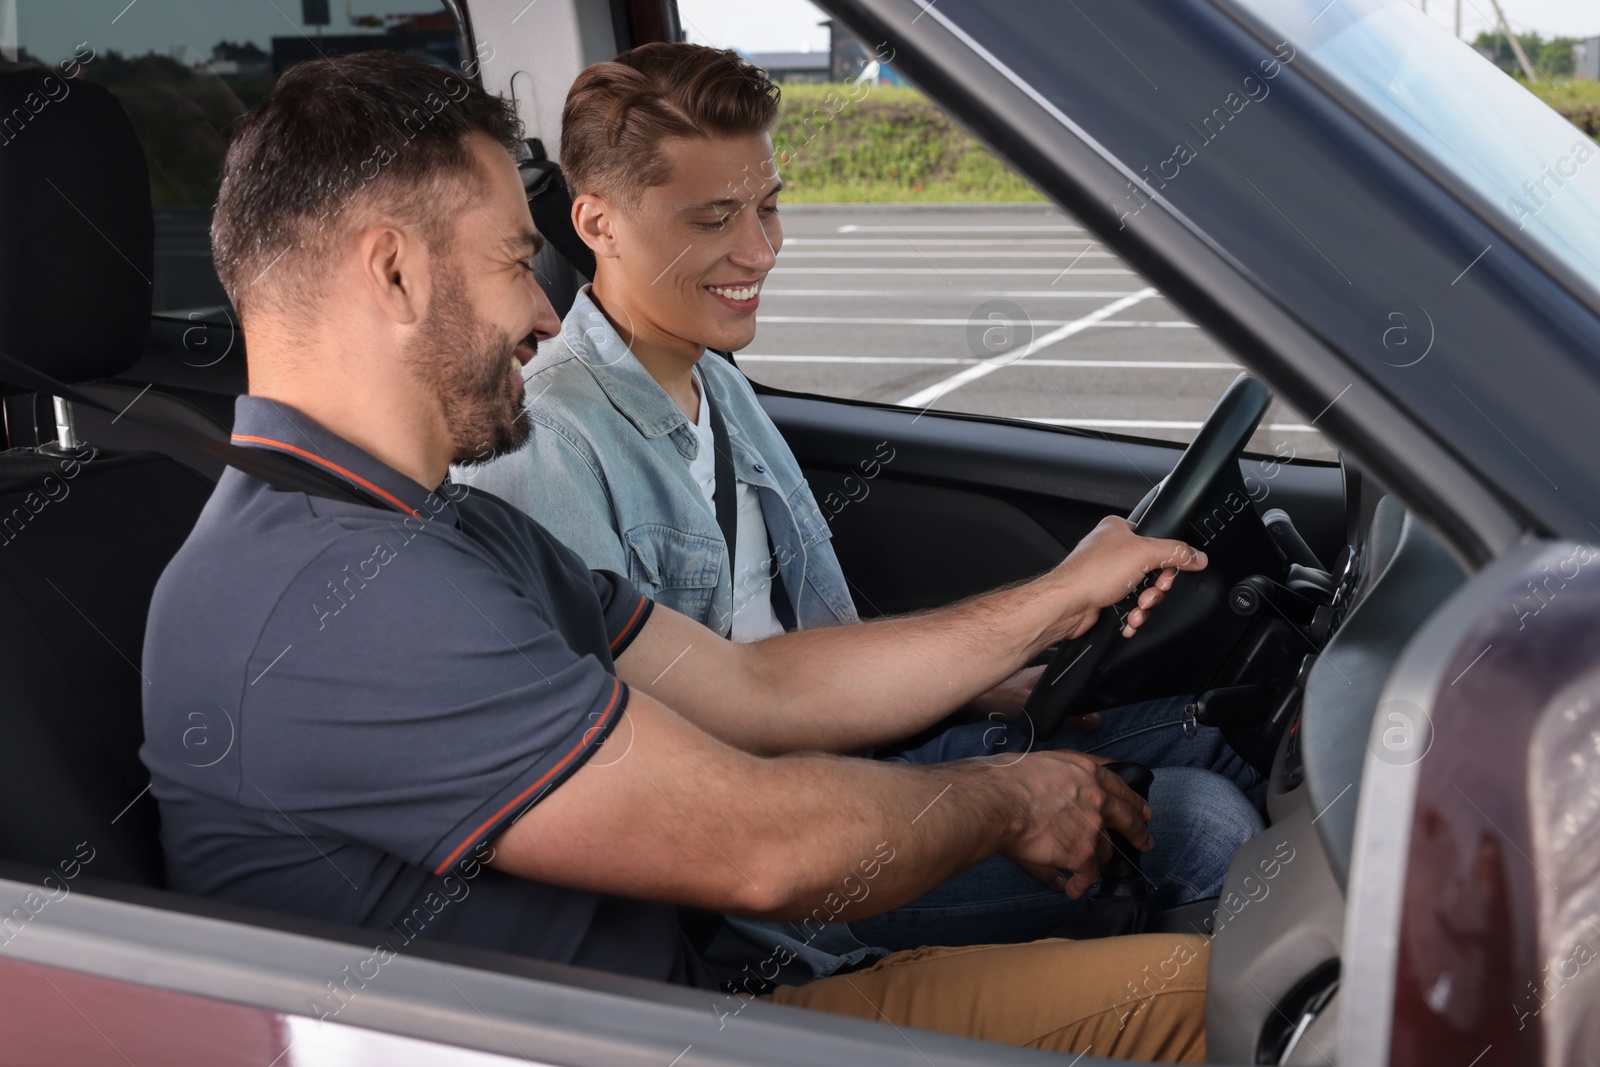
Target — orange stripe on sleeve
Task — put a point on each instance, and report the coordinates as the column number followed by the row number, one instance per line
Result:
column 589, row 732
column 628, row 626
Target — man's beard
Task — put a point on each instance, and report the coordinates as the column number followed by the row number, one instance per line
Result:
column 467, row 362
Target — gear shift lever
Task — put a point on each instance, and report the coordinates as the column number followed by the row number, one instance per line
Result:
column 1121, row 879
column 1119, row 906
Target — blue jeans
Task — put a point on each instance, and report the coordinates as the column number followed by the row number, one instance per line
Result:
column 1201, row 814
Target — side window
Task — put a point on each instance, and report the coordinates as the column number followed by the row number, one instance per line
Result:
column 918, row 269
column 184, row 73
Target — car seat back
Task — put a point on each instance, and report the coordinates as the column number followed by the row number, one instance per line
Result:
column 84, row 531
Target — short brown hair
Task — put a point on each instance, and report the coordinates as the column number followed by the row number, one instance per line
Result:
column 617, row 113
column 374, row 135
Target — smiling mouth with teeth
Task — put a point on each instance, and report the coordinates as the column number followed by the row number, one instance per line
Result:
column 748, row 292
column 523, row 351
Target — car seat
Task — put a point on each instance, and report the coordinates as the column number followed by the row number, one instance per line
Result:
column 84, row 531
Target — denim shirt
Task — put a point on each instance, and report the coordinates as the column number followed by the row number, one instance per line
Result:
column 606, row 469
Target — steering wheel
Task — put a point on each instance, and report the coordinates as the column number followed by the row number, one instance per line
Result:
column 1206, row 473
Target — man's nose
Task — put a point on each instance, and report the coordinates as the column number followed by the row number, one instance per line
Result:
column 755, row 250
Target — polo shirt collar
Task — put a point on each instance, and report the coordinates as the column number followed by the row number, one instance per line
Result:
column 262, row 423
column 591, row 337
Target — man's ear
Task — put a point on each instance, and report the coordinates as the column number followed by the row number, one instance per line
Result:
column 395, row 273
column 593, row 218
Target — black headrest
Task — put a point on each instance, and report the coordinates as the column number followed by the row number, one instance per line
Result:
column 77, row 242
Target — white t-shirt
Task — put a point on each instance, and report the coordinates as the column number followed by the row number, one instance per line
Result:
column 753, row 617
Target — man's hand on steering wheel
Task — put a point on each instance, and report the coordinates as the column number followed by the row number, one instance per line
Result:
column 1108, row 564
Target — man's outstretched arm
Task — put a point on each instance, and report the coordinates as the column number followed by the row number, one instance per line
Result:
column 850, row 687
column 664, row 811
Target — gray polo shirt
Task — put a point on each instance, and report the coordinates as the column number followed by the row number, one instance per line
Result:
column 346, row 704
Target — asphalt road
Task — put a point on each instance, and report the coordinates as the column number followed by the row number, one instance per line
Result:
column 1005, row 310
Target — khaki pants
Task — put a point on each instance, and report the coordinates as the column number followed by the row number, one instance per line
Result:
column 1139, row 998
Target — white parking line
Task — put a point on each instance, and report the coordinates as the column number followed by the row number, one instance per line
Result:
column 1158, row 424
column 1131, row 364
column 960, row 229
column 892, row 271
column 828, row 320
column 924, row 397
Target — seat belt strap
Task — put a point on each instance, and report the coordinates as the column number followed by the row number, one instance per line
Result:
column 275, row 468
column 725, row 495
column 725, row 492
column 782, row 610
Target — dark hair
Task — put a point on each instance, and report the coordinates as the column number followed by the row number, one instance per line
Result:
column 345, row 141
column 618, row 113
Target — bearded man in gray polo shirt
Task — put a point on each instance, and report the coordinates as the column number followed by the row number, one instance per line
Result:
column 444, row 725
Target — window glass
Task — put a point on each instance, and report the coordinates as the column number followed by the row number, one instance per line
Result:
column 1522, row 155
column 184, row 70
column 918, row 269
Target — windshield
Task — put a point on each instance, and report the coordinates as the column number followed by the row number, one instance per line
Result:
column 1532, row 164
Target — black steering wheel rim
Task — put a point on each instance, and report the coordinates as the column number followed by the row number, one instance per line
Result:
column 1213, row 451
column 1210, row 462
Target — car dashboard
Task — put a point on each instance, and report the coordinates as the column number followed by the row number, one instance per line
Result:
column 1277, row 929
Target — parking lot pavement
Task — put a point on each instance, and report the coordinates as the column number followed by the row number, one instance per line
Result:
column 999, row 310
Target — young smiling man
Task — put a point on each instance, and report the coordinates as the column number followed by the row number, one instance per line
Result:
column 636, row 434
column 494, row 745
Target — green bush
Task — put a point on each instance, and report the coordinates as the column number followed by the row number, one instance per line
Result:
column 849, row 144
column 1552, row 58
column 182, row 116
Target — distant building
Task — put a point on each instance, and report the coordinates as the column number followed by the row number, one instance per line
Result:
column 230, row 61
column 793, row 66
column 430, row 37
column 1586, row 59
column 847, row 59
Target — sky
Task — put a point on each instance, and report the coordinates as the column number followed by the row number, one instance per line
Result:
column 791, row 25
column 1551, row 18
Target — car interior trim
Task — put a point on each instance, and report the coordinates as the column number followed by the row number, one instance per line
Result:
column 1407, row 575
column 1384, row 812
column 578, row 1017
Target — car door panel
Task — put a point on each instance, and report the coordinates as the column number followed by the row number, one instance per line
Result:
column 928, row 508
column 192, row 981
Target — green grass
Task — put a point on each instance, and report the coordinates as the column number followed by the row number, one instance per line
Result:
column 888, row 144
column 1578, row 102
